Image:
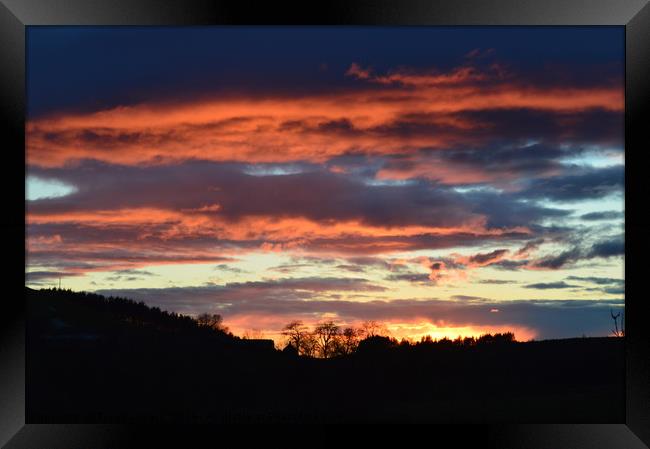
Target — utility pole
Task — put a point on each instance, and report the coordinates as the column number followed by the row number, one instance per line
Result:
column 59, row 283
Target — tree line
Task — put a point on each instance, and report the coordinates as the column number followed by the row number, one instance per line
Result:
column 328, row 340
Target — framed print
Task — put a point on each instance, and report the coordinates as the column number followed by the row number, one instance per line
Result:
column 352, row 213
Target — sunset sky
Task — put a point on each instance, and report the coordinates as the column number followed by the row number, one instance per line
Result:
column 444, row 181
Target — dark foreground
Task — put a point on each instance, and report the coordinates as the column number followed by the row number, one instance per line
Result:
column 95, row 361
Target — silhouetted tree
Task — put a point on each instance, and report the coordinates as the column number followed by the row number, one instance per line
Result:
column 350, row 340
column 469, row 341
column 405, row 342
column 444, row 343
column 372, row 328
column 507, row 337
column 337, row 348
column 375, row 344
column 213, row 321
column 309, row 345
column 253, row 334
column 296, row 332
column 326, row 334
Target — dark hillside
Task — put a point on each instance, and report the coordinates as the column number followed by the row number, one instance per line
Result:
column 92, row 359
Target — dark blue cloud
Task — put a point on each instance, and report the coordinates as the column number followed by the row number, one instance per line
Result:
column 609, row 248
column 506, row 210
column 496, row 281
column 313, row 193
column 597, row 280
column 549, row 285
column 90, row 68
column 416, row 278
column 524, row 125
column 47, row 277
column 605, row 215
column 558, row 261
column 590, row 183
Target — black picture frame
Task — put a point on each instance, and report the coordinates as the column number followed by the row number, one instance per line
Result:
column 15, row 15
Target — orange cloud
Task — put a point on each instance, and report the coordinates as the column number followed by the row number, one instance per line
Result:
column 135, row 237
column 312, row 127
column 457, row 76
column 272, row 228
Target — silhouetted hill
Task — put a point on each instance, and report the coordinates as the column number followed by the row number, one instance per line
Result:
column 96, row 359
column 77, row 315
